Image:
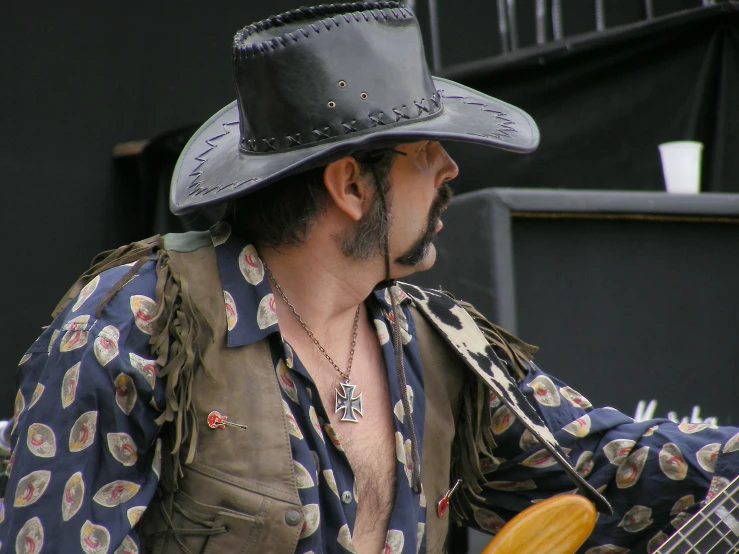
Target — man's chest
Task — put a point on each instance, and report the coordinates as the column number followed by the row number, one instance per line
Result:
column 360, row 409
column 369, row 446
column 368, row 443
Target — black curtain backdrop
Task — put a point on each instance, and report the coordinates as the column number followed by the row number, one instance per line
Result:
column 604, row 102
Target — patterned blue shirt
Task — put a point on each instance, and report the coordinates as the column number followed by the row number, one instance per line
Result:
column 86, row 458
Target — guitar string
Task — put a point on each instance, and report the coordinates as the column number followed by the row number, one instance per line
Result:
column 722, row 519
column 724, row 536
column 721, row 539
column 712, row 527
column 683, row 537
column 729, row 528
column 732, row 545
column 697, row 519
column 714, row 506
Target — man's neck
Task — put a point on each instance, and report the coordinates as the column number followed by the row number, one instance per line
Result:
column 323, row 285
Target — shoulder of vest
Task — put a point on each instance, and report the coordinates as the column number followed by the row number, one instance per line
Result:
column 516, row 353
column 187, row 242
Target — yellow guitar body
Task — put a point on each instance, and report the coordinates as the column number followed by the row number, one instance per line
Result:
column 558, row 525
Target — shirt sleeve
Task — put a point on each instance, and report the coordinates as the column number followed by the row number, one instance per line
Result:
column 86, row 457
column 654, row 473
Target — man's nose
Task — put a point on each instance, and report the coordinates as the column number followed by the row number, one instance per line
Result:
column 448, row 170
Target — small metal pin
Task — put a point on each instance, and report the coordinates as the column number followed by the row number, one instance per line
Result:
column 443, row 504
column 218, row 421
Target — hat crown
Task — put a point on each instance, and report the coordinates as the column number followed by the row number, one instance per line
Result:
column 318, row 74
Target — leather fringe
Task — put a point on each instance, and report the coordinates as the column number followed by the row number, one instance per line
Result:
column 180, row 339
column 518, row 352
column 474, row 443
column 106, row 260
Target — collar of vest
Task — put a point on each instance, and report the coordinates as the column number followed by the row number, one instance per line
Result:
column 459, row 329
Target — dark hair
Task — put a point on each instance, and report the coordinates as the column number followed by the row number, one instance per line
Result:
column 281, row 214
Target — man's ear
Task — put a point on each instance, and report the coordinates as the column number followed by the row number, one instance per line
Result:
column 349, row 190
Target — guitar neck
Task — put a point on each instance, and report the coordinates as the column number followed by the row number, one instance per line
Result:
column 715, row 528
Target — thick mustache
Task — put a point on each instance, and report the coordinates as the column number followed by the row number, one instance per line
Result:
column 416, row 253
column 441, row 202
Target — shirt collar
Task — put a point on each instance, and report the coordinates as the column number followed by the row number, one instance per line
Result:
column 250, row 305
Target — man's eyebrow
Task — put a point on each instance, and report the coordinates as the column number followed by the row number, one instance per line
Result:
column 367, row 155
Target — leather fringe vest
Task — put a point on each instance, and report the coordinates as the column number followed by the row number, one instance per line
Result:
column 239, row 493
column 235, row 491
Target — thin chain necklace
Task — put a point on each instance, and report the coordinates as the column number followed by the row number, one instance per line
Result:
column 345, row 398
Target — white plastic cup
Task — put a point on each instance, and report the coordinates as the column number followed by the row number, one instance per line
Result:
column 681, row 166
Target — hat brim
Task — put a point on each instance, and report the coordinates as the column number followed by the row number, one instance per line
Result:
column 212, row 168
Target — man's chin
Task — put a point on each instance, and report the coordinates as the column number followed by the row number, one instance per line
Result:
column 426, row 263
column 428, row 260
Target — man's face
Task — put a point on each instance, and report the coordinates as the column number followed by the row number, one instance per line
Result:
column 418, row 195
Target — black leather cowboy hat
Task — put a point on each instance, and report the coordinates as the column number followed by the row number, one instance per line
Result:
column 315, row 84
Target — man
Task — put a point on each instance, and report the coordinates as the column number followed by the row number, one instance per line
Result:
column 267, row 387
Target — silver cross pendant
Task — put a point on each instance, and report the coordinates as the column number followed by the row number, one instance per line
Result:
column 345, row 400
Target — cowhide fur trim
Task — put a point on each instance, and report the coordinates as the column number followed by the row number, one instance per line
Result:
column 459, row 329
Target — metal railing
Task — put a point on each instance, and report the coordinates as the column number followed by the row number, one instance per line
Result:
column 545, row 11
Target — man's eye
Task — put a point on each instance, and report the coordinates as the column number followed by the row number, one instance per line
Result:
column 427, row 150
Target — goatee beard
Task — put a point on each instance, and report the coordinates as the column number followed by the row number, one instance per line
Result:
column 417, row 252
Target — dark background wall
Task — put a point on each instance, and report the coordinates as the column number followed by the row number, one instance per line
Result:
column 631, row 310
column 79, row 78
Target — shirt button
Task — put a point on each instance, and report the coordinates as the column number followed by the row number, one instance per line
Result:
column 346, row 497
column 292, row 518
